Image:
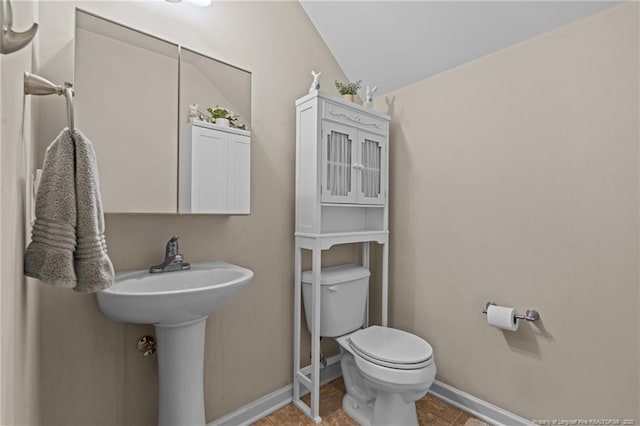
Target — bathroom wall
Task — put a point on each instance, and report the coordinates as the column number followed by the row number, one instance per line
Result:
column 18, row 296
column 638, row 120
column 514, row 178
column 3, row 328
column 91, row 371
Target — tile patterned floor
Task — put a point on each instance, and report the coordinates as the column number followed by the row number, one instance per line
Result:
column 431, row 411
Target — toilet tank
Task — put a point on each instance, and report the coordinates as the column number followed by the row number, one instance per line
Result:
column 343, row 298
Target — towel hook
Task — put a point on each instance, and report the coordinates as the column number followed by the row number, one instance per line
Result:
column 36, row 85
column 10, row 40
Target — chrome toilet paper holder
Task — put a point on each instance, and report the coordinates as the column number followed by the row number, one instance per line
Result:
column 530, row 315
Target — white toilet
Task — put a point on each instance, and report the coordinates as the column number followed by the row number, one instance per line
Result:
column 385, row 370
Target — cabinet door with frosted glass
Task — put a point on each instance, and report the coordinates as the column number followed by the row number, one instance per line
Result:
column 339, row 149
column 371, row 165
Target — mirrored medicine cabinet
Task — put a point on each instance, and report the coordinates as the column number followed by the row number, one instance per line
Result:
column 156, row 154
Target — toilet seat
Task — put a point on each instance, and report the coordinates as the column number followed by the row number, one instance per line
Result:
column 391, row 348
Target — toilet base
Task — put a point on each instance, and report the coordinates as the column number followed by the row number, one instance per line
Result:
column 361, row 413
column 402, row 414
column 371, row 403
column 378, row 395
column 391, row 409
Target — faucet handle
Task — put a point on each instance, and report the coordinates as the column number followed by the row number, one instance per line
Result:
column 172, row 247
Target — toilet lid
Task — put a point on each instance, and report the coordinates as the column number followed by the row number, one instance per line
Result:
column 392, row 348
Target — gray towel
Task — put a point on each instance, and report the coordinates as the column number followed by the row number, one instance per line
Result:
column 67, row 246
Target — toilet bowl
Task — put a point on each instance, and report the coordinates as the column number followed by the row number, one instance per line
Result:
column 385, row 371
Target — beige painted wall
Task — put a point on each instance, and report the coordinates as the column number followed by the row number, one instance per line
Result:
column 514, row 178
column 18, row 298
column 3, row 356
column 91, row 372
column 3, row 328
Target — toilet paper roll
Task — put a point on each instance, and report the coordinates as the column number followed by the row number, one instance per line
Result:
column 502, row 317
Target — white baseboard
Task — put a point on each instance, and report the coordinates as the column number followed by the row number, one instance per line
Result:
column 476, row 407
column 266, row 405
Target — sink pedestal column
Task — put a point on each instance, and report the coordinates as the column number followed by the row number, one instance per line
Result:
column 181, row 374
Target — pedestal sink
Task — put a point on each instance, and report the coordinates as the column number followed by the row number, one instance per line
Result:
column 177, row 304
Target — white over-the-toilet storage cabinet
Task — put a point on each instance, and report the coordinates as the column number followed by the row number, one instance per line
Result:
column 215, row 163
column 342, row 182
column 341, row 167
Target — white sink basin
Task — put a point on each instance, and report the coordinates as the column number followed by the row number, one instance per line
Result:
column 177, row 304
column 173, row 298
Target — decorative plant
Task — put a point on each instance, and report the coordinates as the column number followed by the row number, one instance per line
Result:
column 348, row 88
column 219, row 112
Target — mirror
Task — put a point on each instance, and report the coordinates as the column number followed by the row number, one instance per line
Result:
column 126, row 85
column 133, row 98
column 208, row 82
column 215, row 156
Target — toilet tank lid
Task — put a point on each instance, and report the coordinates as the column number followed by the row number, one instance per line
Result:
column 338, row 274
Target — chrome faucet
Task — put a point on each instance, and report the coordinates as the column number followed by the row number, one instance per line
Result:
column 173, row 261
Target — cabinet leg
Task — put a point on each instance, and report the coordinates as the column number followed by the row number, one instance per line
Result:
column 385, row 284
column 366, row 263
column 315, row 334
column 297, row 300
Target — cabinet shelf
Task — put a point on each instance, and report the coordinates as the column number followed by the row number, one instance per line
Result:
column 375, row 206
column 328, row 240
column 347, row 104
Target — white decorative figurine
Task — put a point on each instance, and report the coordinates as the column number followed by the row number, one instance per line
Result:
column 370, row 93
column 194, row 113
column 315, row 85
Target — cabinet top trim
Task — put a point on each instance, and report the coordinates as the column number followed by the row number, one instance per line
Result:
column 342, row 102
column 206, row 125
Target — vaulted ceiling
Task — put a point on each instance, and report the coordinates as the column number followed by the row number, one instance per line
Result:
column 395, row 43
